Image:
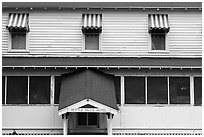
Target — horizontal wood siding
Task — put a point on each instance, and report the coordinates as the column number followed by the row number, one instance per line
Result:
column 185, row 37
column 124, row 33
column 53, row 32
column 4, row 33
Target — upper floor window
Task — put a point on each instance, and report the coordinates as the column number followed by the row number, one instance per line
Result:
column 91, row 29
column 158, row 29
column 18, row 27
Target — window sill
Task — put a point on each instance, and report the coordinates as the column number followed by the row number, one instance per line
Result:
column 18, row 51
column 91, row 51
column 159, row 51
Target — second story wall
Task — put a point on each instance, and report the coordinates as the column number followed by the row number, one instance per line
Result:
column 124, row 33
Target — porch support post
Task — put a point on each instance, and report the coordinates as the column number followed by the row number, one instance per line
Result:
column 65, row 123
column 109, row 123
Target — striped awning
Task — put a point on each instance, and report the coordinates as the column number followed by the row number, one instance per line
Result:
column 91, row 23
column 158, row 23
column 18, row 22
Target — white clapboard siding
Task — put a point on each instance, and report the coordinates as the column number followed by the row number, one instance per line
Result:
column 55, row 32
column 124, row 33
column 4, row 33
column 185, row 37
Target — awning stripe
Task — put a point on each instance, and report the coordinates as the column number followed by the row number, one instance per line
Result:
column 18, row 21
column 91, row 21
column 158, row 22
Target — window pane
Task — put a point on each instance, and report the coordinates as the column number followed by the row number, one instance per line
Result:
column 82, row 119
column 117, row 89
column 17, row 90
column 134, row 90
column 57, row 89
column 158, row 41
column 3, row 89
column 92, row 41
column 92, row 119
column 39, row 90
column 179, row 90
column 157, row 90
column 198, row 91
column 18, row 41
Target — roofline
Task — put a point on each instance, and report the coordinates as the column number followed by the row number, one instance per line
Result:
column 102, row 4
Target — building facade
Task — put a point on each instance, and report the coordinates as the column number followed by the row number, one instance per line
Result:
column 102, row 68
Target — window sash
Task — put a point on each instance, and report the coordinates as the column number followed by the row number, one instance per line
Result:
column 18, row 41
column 168, row 89
column 92, row 41
column 197, row 91
column 122, row 88
column 23, row 47
column 86, row 117
column 158, row 41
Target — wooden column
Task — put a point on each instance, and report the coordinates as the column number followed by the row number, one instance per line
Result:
column 109, row 123
column 65, row 123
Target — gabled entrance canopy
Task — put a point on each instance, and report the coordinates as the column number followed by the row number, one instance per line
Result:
column 87, row 87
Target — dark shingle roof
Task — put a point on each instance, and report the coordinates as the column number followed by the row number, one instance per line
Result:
column 100, row 61
column 87, row 84
column 101, row 4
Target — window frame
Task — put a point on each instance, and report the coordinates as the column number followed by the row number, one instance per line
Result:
column 159, row 51
column 190, row 91
column 191, row 79
column 54, row 87
column 145, row 100
column 167, row 83
column 84, row 43
column 50, row 91
column 88, row 126
column 10, row 42
column 6, row 90
column 193, row 86
column 28, row 92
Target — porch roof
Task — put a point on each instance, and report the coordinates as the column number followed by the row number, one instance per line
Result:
column 93, row 86
column 101, row 62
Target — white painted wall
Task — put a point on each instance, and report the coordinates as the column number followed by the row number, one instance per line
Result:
column 31, row 117
column 130, row 116
column 149, row 116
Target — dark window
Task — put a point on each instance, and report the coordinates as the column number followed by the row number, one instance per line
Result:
column 3, row 89
column 157, row 90
column 87, row 119
column 57, row 89
column 91, row 41
column 179, row 90
column 158, row 41
column 198, row 91
column 17, row 89
column 117, row 89
column 18, row 41
column 39, row 90
column 134, row 90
